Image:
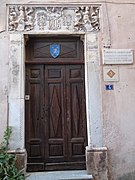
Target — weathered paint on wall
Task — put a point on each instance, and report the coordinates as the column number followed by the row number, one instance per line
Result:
column 117, row 107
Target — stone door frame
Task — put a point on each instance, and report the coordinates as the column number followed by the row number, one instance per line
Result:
column 17, row 85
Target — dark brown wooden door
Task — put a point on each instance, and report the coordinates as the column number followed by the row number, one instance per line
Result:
column 55, row 116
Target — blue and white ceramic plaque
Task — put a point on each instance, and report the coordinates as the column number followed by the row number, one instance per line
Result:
column 55, row 50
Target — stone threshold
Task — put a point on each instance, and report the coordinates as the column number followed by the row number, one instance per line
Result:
column 59, row 175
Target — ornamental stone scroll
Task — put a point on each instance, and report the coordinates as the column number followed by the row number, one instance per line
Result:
column 28, row 18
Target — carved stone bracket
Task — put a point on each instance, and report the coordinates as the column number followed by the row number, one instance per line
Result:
column 27, row 18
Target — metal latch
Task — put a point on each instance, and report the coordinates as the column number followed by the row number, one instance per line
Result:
column 27, row 97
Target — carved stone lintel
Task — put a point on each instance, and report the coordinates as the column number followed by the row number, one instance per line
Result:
column 26, row 18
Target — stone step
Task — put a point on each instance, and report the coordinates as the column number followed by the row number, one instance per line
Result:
column 60, row 175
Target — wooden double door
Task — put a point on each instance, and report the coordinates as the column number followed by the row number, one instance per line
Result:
column 55, row 116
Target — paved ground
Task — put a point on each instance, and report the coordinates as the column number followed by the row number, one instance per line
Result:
column 59, row 175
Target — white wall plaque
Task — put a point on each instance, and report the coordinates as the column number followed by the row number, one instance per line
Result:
column 117, row 56
column 111, row 73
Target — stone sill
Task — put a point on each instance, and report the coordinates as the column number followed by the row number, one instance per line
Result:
column 17, row 151
column 95, row 149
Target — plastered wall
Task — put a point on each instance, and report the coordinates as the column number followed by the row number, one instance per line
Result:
column 117, row 106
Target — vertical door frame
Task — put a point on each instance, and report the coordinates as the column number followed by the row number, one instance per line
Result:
column 17, row 88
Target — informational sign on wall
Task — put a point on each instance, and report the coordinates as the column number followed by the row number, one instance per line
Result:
column 109, row 87
column 117, row 56
column 111, row 73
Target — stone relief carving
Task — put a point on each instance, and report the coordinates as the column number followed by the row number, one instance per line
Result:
column 67, row 21
column 54, row 15
column 14, row 64
column 41, row 18
column 87, row 18
column 21, row 18
column 26, row 18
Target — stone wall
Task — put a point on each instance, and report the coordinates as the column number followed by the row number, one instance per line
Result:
column 111, row 117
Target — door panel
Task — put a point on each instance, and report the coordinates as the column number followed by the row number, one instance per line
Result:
column 34, row 116
column 76, row 112
column 55, row 114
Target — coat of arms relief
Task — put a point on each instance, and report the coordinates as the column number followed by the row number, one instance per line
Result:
column 28, row 18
